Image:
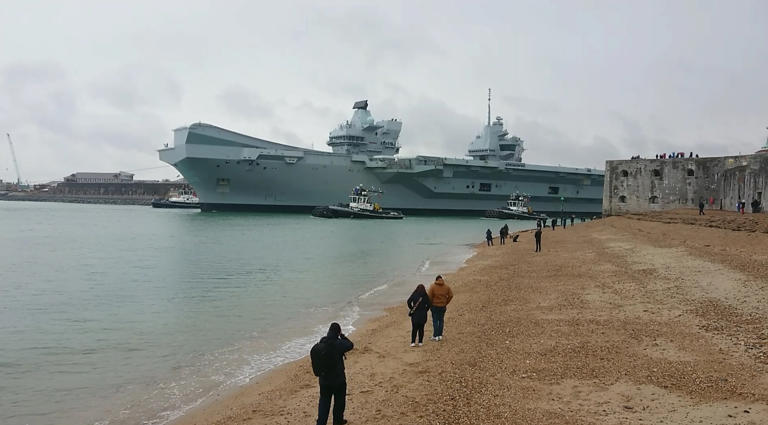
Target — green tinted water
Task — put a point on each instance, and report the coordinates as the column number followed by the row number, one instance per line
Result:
column 124, row 314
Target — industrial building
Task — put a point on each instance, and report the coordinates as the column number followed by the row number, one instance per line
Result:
column 81, row 177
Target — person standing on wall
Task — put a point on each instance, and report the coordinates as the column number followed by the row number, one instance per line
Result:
column 440, row 295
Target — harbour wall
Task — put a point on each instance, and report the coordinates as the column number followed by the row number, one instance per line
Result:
column 642, row 185
column 136, row 193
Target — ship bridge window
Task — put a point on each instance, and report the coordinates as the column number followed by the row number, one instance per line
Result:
column 347, row 138
column 485, row 187
column 553, row 190
column 507, row 148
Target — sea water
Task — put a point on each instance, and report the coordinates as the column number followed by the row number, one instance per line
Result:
column 129, row 315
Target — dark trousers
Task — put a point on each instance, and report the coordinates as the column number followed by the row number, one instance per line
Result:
column 339, row 393
column 502, row 239
column 417, row 328
column 489, row 242
column 538, row 245
column 438, row 313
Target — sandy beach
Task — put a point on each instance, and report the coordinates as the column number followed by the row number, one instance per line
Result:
column 651, row 318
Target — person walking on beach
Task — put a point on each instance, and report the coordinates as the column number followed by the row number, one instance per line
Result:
column 418, row 305
column 554, row 223
column 573, row 217
column 489, row 237
column 440, row 294
column 537, row 235
column 701, row 207
column 502, row 236
column 330, row 370
column 564, row 222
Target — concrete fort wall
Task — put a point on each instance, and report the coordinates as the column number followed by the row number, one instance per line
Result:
column 642, row 185
column 136, row 189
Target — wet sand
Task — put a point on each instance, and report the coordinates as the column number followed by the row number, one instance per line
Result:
column 653, row 318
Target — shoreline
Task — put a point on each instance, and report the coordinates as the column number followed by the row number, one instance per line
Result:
column 597, row 328
column 361, row 321
column 277, row 374
column 88, row 200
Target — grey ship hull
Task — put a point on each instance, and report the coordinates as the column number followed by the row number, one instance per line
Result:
column 231, row 171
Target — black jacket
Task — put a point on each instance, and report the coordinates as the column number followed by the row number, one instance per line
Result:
column 342, row 346
column 420, row 315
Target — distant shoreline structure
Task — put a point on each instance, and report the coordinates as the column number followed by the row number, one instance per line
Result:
column 133, row 193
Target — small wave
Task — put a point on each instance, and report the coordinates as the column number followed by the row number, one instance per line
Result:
column 424, row 266
column 259, row 364
column 373, row 291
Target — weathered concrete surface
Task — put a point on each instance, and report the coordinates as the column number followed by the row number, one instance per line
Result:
column 137, row 193
column 642, row 185
column 130, row 190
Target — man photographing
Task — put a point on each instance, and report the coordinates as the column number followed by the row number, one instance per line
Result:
column 328, row 365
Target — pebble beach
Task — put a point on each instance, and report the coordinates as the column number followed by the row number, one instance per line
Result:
column 651, row 318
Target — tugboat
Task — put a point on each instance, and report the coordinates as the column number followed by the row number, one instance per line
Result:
column 517, row 208
column 181, row 199
column 359, row 206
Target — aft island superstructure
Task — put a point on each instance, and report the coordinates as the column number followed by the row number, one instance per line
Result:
column 232, row 171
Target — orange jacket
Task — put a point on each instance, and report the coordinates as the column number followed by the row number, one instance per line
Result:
column 440, row 293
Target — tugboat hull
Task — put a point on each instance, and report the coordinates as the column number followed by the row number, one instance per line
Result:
column 164, row 203
column 333, row 211
column 516, row 215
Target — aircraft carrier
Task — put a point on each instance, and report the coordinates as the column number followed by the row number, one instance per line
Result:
column 232, row 171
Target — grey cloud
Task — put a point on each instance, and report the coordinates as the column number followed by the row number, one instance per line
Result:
column 243, row 102
column 430, row 126
column 39, row 95
column 57, row 127
column 131, row 88
column 580, row 82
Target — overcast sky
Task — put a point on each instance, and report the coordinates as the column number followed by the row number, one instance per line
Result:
column 99, row 85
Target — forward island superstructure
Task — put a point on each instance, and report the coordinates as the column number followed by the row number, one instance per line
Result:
column 232, row 171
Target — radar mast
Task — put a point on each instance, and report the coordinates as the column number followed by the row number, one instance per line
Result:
column 489, row 106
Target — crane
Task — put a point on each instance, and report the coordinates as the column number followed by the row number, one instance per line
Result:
column 15, row 164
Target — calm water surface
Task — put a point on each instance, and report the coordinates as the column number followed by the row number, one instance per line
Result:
column 125, row 314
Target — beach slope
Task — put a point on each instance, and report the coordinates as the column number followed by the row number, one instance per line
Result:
column 656, row 318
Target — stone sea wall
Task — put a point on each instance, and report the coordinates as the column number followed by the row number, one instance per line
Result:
column 138, row 193
column 642, row 185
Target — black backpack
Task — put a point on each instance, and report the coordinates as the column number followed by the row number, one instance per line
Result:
column 324, row 357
